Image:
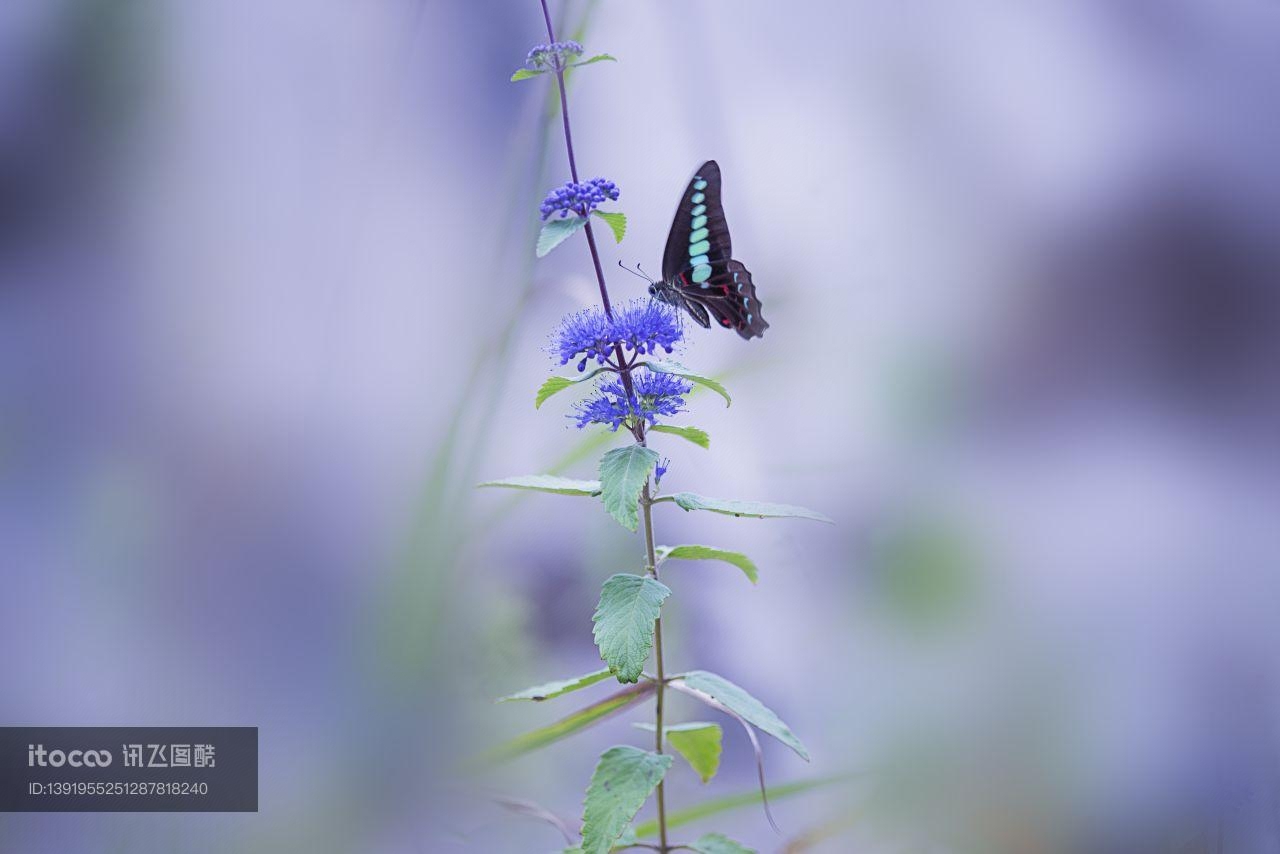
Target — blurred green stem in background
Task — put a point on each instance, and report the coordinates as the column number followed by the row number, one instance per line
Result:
column 411, row 617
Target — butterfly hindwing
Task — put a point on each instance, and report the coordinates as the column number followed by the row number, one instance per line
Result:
column 731, row 299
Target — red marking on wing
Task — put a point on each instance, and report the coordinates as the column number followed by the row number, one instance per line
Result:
column 724, row 321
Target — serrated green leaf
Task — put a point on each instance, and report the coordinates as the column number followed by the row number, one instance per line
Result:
column 525, row 74
column 557, row 231
column 554, row 385
column 623, row 780
column 547, row 691
column 617, row 223
column 687, row 552
column 728, row 803
column 696, row 435
column 624, row 622
column 718, row 843
column 547, row 483
column 623, row 472
column 568, row 725
column 666, row 366
column 599, row 57
column 743, row 704
column 699, row 742
column 734, row 507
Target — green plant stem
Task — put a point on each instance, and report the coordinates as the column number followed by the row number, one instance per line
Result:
column 651, row 557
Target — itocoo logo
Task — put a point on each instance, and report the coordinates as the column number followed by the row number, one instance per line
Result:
column 37, row 755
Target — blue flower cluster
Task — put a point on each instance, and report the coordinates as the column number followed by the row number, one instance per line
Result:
column 587, row 333
column 640, row 326
column 654, row 395
column 580, row 199
column 553, row 56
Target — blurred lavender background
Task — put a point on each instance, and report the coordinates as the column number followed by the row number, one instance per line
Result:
column 268, row 309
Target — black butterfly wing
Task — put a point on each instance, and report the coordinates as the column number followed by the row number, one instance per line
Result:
column 698, row 262
column 731, row 299
column 698, row 229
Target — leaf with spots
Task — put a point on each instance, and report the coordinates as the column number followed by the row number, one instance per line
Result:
column 734, row 507
column 690, row 552
column 623, row 780
column 549, row 690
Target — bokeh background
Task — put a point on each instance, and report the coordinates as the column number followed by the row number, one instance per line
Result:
column 269, row 309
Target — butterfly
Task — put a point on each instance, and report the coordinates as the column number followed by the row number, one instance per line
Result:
column 699, row 273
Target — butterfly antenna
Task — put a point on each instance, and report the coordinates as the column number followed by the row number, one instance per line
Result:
column 634, row 273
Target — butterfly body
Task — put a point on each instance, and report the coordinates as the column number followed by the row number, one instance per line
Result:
column 699, row 273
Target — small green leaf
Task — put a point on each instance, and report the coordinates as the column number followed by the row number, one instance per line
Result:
column 698, row 742
column 718, row 843
column 696, row 435
column 599, row 57
column 755, row 509
column 547, row 691
column 557, row 231
column 617, row 222
column 749, row 708
column 569, row 724
column 554, row 385
column 623, row 472
column 738, row 559
column 623, row 780
column 525, row 74
column 547, row 483
column 624, row 622
column 666, row 366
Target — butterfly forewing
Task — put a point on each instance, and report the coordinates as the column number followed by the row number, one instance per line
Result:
column 699, row 216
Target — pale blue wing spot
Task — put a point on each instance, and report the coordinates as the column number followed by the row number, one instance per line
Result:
column 700, row 234
column 701, row 273
column 746, row 301
column 698, row 210
column 699, row 184
column 699, row 248
column 698, row 198
column 739, row 287
column 699, row 260
column 698, row 222
column 749, row 319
